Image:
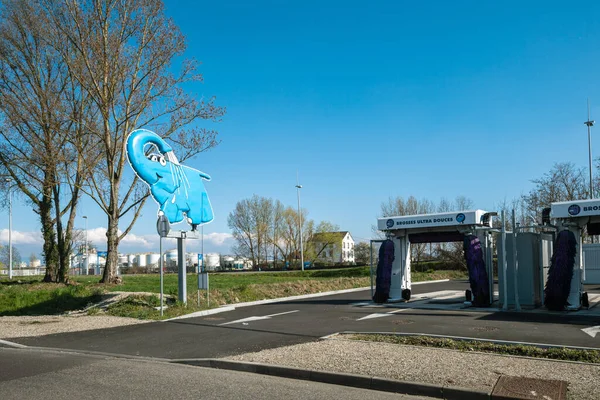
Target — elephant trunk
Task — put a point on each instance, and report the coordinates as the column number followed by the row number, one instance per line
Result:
column 136, row 141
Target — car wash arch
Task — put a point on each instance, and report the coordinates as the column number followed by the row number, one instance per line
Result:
column 564, row 279
column 473, row 228
column 543, row 264
column 538, row 265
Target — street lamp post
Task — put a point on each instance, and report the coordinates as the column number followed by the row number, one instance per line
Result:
column 87, row 258
column 10, row 266
column 589, row 124
column 298, row 187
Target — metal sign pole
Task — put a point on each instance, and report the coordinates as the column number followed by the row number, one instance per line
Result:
column 162, row 227
column 161, row 278
column 182, row 268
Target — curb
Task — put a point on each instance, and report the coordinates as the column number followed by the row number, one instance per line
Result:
column 282, row 300
column 357, row 381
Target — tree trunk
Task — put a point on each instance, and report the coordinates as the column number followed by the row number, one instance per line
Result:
column 49, row 249
column 62, row 272
column 112, row 256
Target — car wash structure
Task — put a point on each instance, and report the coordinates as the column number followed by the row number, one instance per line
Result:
column 538, row 265
column 472, row 228
column 564, row 286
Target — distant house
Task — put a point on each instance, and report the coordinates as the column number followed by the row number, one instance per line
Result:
column 333, row 247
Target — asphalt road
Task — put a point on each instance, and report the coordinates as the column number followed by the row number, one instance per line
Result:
column 35, row 374
column 260, row 327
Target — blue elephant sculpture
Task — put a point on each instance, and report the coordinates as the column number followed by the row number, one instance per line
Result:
column 179, row 190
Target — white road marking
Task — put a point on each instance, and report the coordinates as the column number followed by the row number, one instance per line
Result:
column 380, row 315
column 257, row 318
column 592, row 330
column 12, row 344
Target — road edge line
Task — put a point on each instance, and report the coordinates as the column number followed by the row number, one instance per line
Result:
column 336, row 378
column 12, row 344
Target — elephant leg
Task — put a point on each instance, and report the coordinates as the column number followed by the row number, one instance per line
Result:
column 200, row 210
column 172, row 212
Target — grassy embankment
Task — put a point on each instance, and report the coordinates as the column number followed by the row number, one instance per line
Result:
column 565, row 354
column 28, row 296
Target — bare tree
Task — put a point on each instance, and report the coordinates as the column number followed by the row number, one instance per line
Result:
column 4, row 256
column 42, row 113
column 251, row 223
column 362, row 253
column 325, row 237
column 563, row 182
column 288, row 236
column 121, row 53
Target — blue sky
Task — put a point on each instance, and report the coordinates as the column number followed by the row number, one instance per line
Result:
column 368, row 100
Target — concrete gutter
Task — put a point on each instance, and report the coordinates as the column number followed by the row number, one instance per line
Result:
column 357, row 381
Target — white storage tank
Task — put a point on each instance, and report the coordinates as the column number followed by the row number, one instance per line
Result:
column 171, row 255
column 141, row 260
column 152, row 259
column 123, row 259
column 228, row 262
column 131, row 260
column 93, row 259
column 212, row 261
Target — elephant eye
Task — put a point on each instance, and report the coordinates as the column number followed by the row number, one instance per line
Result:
column 153, row 157
column 162, row 161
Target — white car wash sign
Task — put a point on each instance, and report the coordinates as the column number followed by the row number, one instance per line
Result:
column 456, row 218
column 575, row 208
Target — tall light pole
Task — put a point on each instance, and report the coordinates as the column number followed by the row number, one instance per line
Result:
column 298, row 187
column 87, row 263
column 10, row 266
column 589, row 124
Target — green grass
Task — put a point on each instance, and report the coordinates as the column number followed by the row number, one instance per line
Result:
column 30, row 296
column 565, row 354
column 151, row 282
column 33, row 298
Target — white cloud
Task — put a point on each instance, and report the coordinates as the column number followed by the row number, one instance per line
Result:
column 98, row 237
column 218, row 238
column 215, row 241
column 20, row 238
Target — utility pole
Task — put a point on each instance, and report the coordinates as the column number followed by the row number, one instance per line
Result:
column 589, row 124
column 87, row 257
column 298, row 187
column 10, row 263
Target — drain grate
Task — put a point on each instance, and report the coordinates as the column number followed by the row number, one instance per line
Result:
column 520, row 388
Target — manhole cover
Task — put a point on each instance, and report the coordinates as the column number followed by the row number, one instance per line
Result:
column 514, row 387
column 214, row 318
column 403, row 322
column 484, row 329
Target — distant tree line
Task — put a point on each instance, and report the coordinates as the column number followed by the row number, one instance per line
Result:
column 265, row 229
